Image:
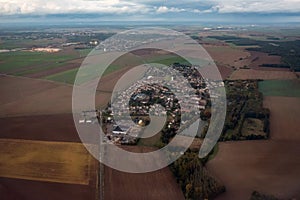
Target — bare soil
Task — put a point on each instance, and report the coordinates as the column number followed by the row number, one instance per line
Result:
column 16, row 189
column 259, row 58
column 58, row 127
column 269, row 166
column 228, row 56
column 160, row 184
column 284, row 118
column 260, row 74
column 14, row 88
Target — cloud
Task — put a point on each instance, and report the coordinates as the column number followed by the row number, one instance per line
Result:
column 164, row 9
column 145, row 7
column 256, row 6
column 19, row 7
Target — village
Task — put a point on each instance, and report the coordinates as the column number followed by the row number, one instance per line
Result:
column 145, row 98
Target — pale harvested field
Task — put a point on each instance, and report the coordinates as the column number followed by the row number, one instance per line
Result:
column 59, row 162
column 260, row 74
column 156, row 185
column 270, row 166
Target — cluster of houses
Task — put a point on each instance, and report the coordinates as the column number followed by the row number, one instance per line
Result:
column 146, row 93
column 147, row 96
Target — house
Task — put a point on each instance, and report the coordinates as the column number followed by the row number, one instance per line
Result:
column 118, row 130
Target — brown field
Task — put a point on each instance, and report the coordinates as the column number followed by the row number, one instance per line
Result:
column 260, row 74
column 52, row 101
column 225, row 71
column 53, row 71
column 26, row 96
column 285, row 112
column 227, row 55
column 269, row 166
column 258, row 58
column 61, row 162
column 58, row 127
column 18, row 189
column 160, row 184
column 14, row 88
column 65, row 158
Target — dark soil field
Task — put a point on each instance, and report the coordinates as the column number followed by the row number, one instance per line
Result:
column 150, row 186
column 58, row 127
column 156, row 185
column 18, row 189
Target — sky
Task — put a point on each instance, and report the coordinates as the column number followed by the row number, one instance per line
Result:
column 153, row 10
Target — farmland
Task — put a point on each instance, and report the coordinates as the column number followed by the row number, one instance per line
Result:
column 287, row 50
column 288, row 88
column 227, row 55
column 26, row 62
column 41, row 151
column 284, row 117
column 244, row 74
column 160, row 184
column 53, row 162
column 268, row 166
column 59, row 169
column 30, row 128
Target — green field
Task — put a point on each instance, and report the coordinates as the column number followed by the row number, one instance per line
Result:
column 289, row 88
column 26, row 62
column 86, row 75
column 64, row 77
column 69, row 76
column 166, row 60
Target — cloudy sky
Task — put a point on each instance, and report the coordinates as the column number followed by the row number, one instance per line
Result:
column 150, row 9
